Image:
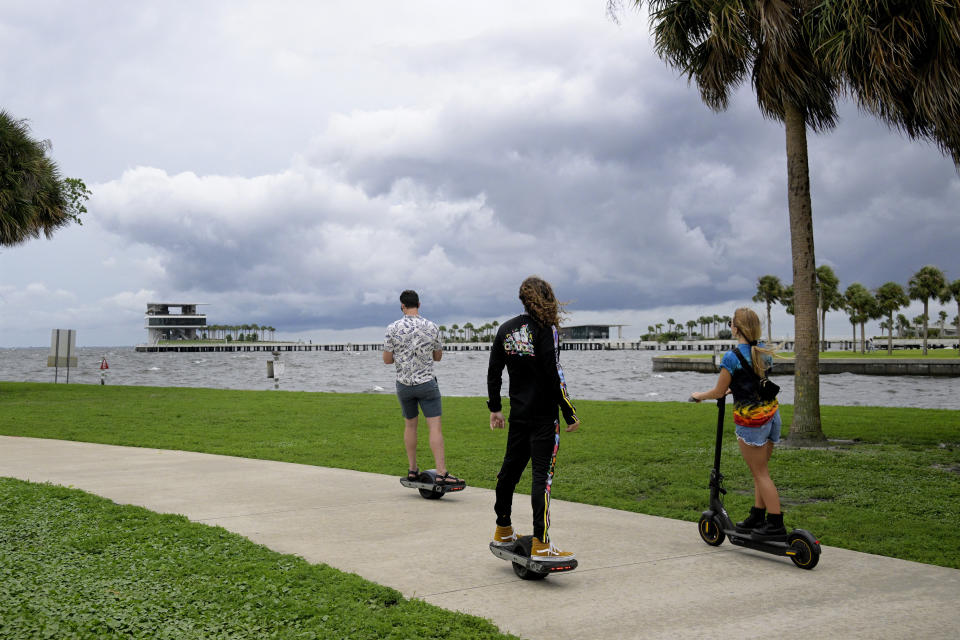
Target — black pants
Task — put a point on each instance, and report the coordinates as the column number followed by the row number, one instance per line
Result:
column 536, row 443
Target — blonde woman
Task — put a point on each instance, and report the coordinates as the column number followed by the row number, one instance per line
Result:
column 757, row 421
column 528, row 345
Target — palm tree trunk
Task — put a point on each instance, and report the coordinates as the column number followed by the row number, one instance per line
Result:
column 925, row 320
column 822, row 315
column 890, row 336
column 806, row 427
column 769, row 335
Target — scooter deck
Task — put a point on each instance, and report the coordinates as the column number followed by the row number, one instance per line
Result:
column 516, row 554
column 432, row 486
column 768, row 545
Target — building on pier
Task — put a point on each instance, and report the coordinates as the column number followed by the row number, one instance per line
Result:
column 590, row 331
column 162, row 324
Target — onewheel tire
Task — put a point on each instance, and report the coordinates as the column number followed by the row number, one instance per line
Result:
column 710, row 531
column 807, row 550
column 430, row 494
column 526, row 574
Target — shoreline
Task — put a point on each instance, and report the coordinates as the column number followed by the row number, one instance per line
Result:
column 874, row 366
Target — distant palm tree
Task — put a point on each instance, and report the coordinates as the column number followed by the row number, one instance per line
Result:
column 468, row 328
column 925, row 284
column 690, row 325
column 659, row 326
column 787, row 299
column 952, row 290
column 890, row 298
column 861, row 306
column 455, row 328
column 443, row 331
column 670, row 324
column 769, row 291
column 828, row 298
column 903, row 325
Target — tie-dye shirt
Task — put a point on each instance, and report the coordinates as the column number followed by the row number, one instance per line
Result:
column 748, row 409
column 413, row 339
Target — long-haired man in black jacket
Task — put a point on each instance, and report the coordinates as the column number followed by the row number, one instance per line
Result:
column 528, row 345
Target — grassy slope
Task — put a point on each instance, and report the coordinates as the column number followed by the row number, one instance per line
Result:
column 895, row 491
column 73, row 565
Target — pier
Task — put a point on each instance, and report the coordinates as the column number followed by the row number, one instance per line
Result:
column 594, row 344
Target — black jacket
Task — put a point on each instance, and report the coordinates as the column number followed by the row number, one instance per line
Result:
column 531, row 355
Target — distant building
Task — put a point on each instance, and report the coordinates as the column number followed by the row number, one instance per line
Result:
column 590, row 331
column 161, row 324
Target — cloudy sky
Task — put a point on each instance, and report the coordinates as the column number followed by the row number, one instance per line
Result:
column 299, row 164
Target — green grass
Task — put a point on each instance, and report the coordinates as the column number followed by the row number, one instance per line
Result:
column 73, row 565
column 894, row 490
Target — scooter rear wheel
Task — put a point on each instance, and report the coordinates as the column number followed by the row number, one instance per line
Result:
column 807, row 550
column 710, row 531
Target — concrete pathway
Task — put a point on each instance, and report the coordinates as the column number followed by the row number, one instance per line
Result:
column 639, row 577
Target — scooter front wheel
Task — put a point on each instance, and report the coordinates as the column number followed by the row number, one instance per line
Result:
column 805, row 549
column 710, row 531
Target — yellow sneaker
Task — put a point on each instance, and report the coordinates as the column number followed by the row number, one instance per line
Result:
column 504, row 536
column 546, row 551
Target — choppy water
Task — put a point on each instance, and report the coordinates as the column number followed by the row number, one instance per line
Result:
column 591, row 375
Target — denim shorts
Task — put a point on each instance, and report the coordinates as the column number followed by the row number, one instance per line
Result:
column 758, row 436
column 426, row 395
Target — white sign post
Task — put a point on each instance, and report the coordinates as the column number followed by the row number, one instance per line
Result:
column 63, row 351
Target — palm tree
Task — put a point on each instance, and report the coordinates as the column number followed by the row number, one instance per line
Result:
column 903, row 324
column 890, row 298
column 659, row 326
column 925, row 284
column 786, row 299
column 455, row 328
column 670, row 323
column 34, row 199
column 443, row 331
column 952, row 290
column 901, row 61
column 943, row 319
column 861, row 306
column 828, row 298
column 769, row 290
column 468, row 328
column 690, row 325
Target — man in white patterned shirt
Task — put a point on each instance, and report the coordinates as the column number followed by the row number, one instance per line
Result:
column 413, row 344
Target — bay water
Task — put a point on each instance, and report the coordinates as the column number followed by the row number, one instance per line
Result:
column 591, row 375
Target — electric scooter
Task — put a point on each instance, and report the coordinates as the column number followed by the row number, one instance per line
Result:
column 426, row 483
column 526, row 567
column 715, row 523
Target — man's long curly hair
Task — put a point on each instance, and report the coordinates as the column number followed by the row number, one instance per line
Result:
column 538, row 300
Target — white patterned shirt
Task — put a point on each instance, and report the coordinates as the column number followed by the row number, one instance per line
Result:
column 413, row 339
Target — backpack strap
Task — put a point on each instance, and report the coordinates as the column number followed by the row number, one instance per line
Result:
column 746, row 365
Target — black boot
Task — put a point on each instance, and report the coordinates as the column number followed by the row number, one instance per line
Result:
column 754, row 520
column 772, row 529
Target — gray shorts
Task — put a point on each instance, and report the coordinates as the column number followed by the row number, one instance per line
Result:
column 426, row 395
